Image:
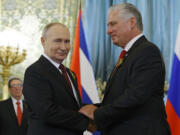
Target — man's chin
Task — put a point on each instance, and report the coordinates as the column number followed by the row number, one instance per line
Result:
column 115, row 42
column 60, row 59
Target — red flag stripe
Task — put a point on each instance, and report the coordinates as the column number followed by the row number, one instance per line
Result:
column 75, row 65
column 173, row 119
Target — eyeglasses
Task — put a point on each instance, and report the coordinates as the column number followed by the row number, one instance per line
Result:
column 16, row 85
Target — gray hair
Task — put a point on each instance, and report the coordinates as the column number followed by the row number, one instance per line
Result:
column 48, row 26
column 126, row 11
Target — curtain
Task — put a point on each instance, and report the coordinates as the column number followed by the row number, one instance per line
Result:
column 160, row 21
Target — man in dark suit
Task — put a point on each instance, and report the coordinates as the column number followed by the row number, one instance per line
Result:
column 50, row 89
column 133, row 100
column 13, row 112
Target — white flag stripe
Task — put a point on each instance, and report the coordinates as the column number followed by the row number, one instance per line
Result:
column 177, row 47
column 87, row 78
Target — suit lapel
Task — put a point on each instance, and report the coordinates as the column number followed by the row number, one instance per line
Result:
column 11, row 110
column 127, row 56
column 57, row 75
column 25, row 113
column 73, row 79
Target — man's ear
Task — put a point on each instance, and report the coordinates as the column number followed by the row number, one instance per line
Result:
column 43, row 41
column 133, row 22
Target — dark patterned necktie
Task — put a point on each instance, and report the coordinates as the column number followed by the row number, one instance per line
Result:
column 64, row 73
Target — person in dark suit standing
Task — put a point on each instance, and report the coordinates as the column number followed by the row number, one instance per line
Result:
column 133, row 100
column 50, row 89
column 13, row 112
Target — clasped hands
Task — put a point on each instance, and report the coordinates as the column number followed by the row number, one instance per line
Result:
column 88, row 110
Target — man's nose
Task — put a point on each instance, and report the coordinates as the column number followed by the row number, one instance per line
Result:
column 63, row 46
column 109, row 30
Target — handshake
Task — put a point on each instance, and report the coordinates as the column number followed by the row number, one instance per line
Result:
column 88, row 110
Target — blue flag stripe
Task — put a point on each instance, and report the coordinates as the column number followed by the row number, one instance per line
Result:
column 85, row 98
column 83, row 44
column 174, row 90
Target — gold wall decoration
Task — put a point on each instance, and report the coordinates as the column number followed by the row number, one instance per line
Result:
column 9, row 56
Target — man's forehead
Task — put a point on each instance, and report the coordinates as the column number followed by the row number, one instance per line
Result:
column 15, row 81
column 58, row 27
column 111, row 18
column 57, row 32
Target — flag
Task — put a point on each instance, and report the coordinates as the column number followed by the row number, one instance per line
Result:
column 173, row 100
column 81, row 65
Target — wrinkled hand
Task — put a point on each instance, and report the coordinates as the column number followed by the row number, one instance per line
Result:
column 88, row 110
column 91, row 126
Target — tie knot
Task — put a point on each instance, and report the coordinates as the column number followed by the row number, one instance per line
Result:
column 18, row 103
column 123, row 52
column 62, row 67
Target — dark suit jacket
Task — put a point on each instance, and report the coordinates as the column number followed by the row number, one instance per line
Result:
column 54, row 110
column 8, row 119
column 133, row 101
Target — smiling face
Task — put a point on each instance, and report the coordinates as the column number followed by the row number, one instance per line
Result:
column 56, row 43
column 118, row 28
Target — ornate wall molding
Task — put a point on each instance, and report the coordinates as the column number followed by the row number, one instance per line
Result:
column 28, row 17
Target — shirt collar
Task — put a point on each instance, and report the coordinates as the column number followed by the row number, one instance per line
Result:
column 54, row 63
column 15, row 100
column 132, row 41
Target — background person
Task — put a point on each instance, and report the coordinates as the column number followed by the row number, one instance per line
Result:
column 13, row 111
